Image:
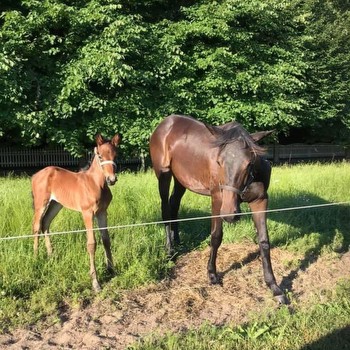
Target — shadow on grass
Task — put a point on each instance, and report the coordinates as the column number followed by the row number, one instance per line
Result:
column 339, row 340
column 314, row 228
column 317, row 228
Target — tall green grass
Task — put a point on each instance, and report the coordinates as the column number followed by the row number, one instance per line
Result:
column 31, row 288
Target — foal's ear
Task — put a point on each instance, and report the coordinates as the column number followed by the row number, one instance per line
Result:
column 99, row 139
column 116, row 140
column 257, row 136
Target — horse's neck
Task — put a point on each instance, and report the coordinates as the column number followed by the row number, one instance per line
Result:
column 95, row 172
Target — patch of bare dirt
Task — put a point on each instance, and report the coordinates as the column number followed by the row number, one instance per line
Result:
column 186, row 300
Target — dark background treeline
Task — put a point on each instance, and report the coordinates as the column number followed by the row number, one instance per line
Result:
column 71, row 68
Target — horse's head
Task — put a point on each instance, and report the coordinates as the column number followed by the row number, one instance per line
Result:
column 237, row 153
column 106, row 151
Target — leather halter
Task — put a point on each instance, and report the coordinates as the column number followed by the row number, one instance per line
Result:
column 234, row 189
column 104, row 162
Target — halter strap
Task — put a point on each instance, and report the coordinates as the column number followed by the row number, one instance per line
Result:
column 230, row 188
column 235, row 189
column 104, row 162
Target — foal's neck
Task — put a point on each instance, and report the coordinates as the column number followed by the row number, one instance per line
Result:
column 95, row 171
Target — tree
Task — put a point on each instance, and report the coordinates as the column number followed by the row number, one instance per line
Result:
column 71, row 68
column 235, row 60
column 328, row 79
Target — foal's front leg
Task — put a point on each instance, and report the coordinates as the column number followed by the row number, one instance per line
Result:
column 259, row 216
column 91, row 247
column 102, row 224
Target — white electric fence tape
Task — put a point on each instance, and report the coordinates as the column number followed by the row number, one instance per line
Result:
column 177, row 220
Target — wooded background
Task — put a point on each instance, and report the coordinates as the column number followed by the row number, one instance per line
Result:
column 69, row 69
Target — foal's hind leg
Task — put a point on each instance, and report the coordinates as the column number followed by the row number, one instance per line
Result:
column 91, row 247
column 102, row 224
column 51, row 211
column 175, row 199
column 39, row 211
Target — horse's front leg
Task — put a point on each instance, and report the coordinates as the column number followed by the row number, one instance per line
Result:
column 259, row 216
column 102, row 224
column 91, row 248
column 215, row 241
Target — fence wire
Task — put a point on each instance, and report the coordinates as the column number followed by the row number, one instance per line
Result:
column 141, row 224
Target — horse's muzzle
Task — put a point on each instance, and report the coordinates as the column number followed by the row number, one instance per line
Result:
column 232, row 217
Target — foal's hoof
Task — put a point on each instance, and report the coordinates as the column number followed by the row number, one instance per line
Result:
column 96, row 286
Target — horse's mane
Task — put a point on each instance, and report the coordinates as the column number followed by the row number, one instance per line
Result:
column 87, row 166
column 237, row 133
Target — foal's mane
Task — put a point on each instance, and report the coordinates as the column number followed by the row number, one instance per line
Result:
column 236, row 133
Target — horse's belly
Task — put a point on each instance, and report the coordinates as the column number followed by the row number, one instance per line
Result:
column 194, row 184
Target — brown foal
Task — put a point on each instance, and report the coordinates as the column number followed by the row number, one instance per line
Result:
column 86, row 191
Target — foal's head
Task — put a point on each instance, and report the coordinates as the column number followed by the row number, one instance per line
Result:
column 237, row 153
column 106, row 152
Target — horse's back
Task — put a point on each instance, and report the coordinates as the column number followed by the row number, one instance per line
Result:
column 169, row 134
column 49, row 174
column 54, row 182
column 183, row 145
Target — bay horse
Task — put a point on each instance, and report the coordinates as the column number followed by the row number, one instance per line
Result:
column 85, row 191
column 223, row 162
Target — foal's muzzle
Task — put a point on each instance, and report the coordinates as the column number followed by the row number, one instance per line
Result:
column 111, row 180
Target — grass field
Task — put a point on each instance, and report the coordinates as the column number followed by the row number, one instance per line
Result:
column 34, row 288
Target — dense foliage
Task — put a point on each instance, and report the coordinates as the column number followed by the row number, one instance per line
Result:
column 70, row 68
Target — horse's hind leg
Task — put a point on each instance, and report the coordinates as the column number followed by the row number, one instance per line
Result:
column 102, row 224
column 175, row 199
column 164, row 180
column 51, row 211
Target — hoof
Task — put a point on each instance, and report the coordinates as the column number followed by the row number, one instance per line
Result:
column 110, row 269
column 282, row 299
column 214, row 279
column 177, row 240
column 171, row 254
column 96, row 286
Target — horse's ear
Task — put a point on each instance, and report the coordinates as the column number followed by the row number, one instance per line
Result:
column 99, row 139
column 116, row 140
column 257, row 136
